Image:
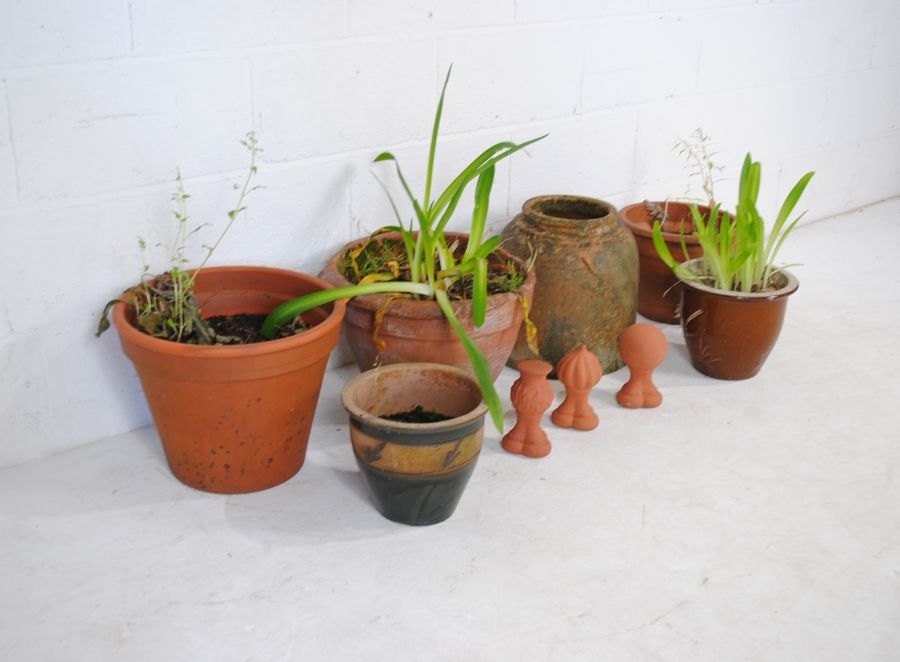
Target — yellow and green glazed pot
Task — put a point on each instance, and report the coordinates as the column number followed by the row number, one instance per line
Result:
column 415, row 471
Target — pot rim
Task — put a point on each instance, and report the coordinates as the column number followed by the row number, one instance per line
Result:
column 421, row 308
column 642, row 230
column 358, row 413
column 128, row 332
column 531, row 208
column 789, row 288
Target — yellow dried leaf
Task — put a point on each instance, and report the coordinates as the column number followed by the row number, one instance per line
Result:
column 376, row 278
column 379, row 319
column 530, row 328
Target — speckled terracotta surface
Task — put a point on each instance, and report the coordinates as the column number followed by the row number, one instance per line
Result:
column 236, row 418
column 417, row 331
column 728, row 334
column 659, row 291
column 579, row 370
column 643, row 348
column 587, row 276
column 531, row 395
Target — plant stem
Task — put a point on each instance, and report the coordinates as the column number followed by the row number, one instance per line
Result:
column 234, row 213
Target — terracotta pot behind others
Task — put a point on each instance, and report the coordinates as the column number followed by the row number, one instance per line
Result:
column 417, row 331
column 659, row 291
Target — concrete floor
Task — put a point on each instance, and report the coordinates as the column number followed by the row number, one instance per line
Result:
column 755, row 520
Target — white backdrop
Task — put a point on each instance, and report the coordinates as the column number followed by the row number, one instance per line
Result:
column 100, row 100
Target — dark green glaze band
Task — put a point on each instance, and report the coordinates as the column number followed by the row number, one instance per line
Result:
column 418, row 437
column 417, row 501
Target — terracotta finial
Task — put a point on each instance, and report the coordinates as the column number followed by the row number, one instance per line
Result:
column 643, row 347
column 531, row 395
column 579, row 370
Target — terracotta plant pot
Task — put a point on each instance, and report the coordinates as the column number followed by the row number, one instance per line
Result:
column 417, row 331
column 729, row 334
column 587, row 276
column 659, row 291
column 236, row 418
column 415, row 472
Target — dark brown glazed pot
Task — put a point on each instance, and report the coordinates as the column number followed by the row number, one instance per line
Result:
column 587, row 276
column 729, row 334
column 659, row 291
column 415, row 472
column 417, row 331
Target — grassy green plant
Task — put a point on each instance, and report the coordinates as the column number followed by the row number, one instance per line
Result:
column 737, row 254
column 699, row 158
column 165, row 305
column 431, row 267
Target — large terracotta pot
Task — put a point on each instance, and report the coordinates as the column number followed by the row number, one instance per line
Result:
column 417, row 331
column 415, row 472
column 236, row 418
column 729, row 334
column 659, row 291
column 587, row 276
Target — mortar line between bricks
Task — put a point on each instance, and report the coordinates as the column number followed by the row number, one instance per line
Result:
column 642, row 105
column 251, row 89
column 138, row 59
column 279, row 166
column 12, row 142
column 634, row 151
column 130, row 29
column 805, row 223
column 359, row 152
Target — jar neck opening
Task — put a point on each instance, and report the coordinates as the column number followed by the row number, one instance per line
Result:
column 572, row 212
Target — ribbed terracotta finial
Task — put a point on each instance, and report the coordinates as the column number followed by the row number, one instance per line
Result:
column 643, row 347
column 531, row 395
column 579, row 370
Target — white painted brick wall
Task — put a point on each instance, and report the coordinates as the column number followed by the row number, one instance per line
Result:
column 633, row 60
column 39, row 32
column 390, row 16
column 585, row 155
column 175, row 26
column 118, row 126
column 101, row 100
column 8, row 194
column 511, row 76
column 322, row 99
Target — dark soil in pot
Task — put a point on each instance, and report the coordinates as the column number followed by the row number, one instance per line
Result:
column 244, row 329
column 416, row 415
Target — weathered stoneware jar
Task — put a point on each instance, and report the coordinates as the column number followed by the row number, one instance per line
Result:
column 587, row 276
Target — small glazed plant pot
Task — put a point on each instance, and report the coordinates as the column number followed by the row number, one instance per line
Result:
column 415, row 472
column 659, row 291
column 236, row 418
column 729, row 334
column 417, row 331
